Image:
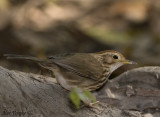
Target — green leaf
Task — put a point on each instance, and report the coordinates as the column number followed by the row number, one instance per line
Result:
column 82, row 96
column 89, row 95
column 78, row 94
column 74, row 98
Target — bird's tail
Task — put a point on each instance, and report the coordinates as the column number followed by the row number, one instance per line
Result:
column 14, row 56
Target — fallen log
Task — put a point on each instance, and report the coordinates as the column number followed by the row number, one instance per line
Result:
column 128, row 95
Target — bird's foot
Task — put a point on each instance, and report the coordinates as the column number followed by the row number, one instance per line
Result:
column 93, row 104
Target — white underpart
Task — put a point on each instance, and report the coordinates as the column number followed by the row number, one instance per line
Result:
column 112, row 69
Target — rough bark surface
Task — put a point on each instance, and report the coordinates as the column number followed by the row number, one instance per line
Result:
column 29, row 95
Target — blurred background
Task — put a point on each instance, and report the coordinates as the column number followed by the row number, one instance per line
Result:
column 48, row 27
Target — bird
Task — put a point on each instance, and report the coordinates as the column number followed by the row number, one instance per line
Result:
column 83, row 70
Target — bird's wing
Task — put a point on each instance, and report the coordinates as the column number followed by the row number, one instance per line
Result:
column 82, row 64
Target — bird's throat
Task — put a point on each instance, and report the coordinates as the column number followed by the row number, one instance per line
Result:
column 115, row 66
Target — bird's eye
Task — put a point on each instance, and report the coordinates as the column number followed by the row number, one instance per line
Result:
column 115, row 56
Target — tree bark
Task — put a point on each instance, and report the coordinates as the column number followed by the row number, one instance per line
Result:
column 30, row 95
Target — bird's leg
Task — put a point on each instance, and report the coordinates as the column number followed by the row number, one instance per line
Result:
column 91, row 104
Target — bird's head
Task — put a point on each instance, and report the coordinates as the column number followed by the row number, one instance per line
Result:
column 114, row 59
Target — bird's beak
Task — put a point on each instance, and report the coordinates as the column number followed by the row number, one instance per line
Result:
column 128, row 62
